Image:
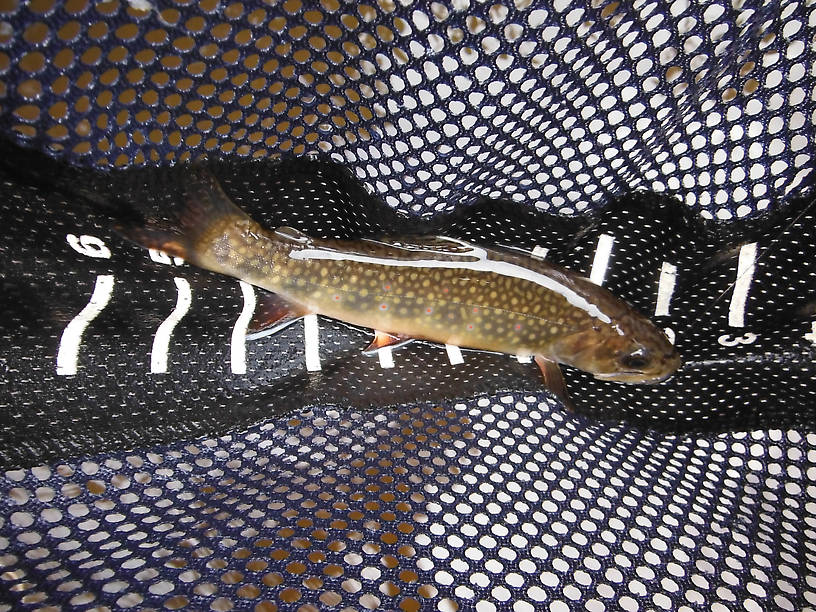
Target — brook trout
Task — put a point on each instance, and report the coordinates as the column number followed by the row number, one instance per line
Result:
column 432, row 288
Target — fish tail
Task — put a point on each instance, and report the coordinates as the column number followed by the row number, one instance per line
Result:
column 194, row 227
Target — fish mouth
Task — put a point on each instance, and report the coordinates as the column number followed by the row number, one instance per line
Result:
column 669, row 367
column 634, row 378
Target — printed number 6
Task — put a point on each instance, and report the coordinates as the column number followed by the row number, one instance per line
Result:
column 91, row 246
column 727, row 340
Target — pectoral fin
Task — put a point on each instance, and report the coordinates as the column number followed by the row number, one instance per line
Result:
column 272, row 314
column 554, row 380
column 383, row 339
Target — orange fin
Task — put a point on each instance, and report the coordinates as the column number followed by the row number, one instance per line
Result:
column 272, row 314
column 383, row 339
column 554, row 380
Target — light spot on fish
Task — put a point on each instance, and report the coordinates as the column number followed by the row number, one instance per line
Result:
column 473, row 259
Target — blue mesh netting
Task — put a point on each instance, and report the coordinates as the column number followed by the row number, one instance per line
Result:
column 555, row 104
column 499, row 502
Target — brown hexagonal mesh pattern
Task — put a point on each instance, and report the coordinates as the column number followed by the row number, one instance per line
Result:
column 504, row 502
column 497, row 502
column 556, row 105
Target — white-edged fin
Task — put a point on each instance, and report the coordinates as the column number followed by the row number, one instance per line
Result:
column 554, row 380
column 384, row 339
column 269, row 331
column 272, row 314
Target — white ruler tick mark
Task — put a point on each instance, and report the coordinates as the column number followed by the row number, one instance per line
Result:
column 540, row 252
column 238, row 344
column 386, row 356
column 665, row 289
column 68, row 352
column 601, row 261
column 454, row 354
column 745, row 274
column 163, row 258
column 311, row 339
column 161, row 342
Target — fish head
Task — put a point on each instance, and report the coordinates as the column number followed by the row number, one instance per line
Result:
column 636, row 352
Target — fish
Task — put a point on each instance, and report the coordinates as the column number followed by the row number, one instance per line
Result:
column 432, row 288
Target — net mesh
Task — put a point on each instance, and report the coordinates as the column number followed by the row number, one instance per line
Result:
column 502, row 504
column 554, row 104
column 497, row 502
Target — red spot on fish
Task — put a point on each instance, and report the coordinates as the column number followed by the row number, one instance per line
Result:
column 336, row 297
column 518, row 326
column 470, row 326
column 387, row 287
column 475, row 309
column 429, row 310
column 384, row 306
column 445, row 290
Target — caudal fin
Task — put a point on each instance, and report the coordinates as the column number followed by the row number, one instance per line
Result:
column 204, row 204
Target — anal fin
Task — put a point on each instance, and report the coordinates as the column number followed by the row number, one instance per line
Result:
column 272, row 314
column 554, row 380
column 384, row 339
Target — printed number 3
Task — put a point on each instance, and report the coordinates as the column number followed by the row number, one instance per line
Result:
column 812, row 335
column 728, row 340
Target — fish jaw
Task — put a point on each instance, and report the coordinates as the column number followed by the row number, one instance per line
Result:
column 664, row 369
column 640, row 355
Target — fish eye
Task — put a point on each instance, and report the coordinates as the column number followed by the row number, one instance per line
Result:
column 635, row 361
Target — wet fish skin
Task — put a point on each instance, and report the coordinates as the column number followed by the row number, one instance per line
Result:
column 433, row 288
